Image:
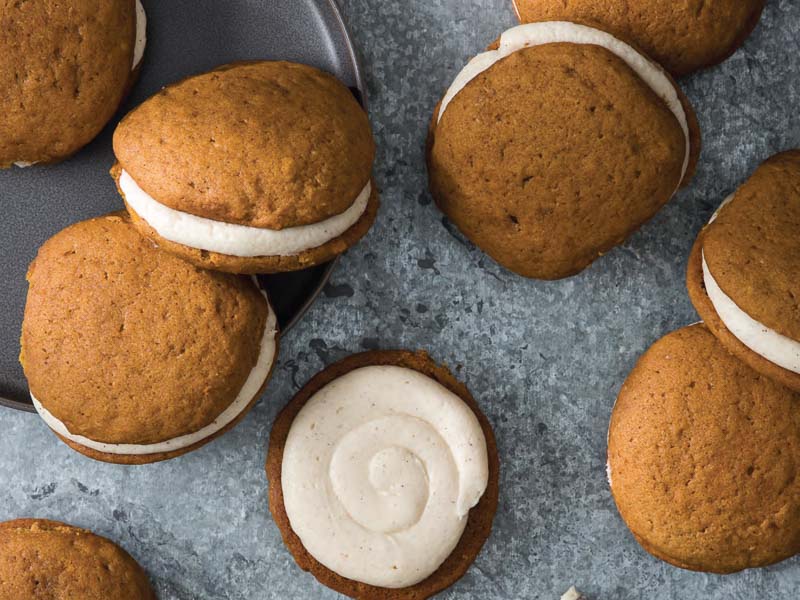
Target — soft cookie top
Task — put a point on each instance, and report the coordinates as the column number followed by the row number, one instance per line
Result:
column 132, row 351
column 556, row 144
column 743, row 276
column 703, row 453
column 64, row 69
column 50, row 560
column 682, row 36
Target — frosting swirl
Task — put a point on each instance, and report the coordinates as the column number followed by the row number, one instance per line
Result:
column 380, row 469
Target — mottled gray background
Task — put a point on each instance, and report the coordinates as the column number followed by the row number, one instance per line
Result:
column 545, row 360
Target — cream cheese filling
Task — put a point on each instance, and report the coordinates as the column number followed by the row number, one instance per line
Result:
column 250, row 388
column 233, row 239
column 538, row 34
column 766, row 342
column 141, row 34
column 380, row 469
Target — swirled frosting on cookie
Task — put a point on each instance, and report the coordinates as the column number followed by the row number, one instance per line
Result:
column 379, row 472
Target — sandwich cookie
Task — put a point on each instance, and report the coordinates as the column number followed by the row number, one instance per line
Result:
column 255, row 167
column 557, row 144
column 51, row 560
column 682, row 36
column 744, row 271
column 133, row 355
column 65, row 68
column 383, row 476
column 703, row 454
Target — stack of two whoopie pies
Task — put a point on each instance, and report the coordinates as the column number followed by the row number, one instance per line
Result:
column 556, row 144
column 704, row 441
column 568, row 133
column 142, row 338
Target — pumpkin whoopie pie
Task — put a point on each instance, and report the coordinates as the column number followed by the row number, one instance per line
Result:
column 682, row 36
column 51, row 560
column 254, row 167
column 65, row 67
column 744, row 271
column 703, row 453
column 134, row 355
column 556, row 144
column 383, row 476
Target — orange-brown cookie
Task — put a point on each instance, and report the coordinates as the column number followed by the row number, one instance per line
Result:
column 703, row 453
column 557, row 144
column 372, row 442
column 682, row 36
column 133, row 355
column 65, row 68
column 743, row 271
column 254, row 167
column 50, row 561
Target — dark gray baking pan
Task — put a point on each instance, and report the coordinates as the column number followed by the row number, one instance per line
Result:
column 184, row 37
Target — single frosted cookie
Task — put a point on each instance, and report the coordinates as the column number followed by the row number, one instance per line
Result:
column 744, row 271
column 702, row 457
column 51, row 560
column 133, row 355
column 557, row 144
column 65, row 68
column 682, row 36
column 383, row 476
column 253, row 167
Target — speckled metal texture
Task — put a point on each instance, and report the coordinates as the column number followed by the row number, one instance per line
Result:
column 545, row 360
column 184, row 37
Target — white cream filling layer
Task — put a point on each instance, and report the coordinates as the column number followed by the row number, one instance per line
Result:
column 250, row 388
column 141, row 34
column 766, row 342
column 538, row 34
column 238, row 240
column 379, row 472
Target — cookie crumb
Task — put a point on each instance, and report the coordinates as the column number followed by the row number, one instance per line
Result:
column 573, row 594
